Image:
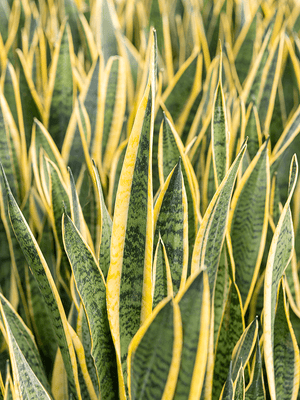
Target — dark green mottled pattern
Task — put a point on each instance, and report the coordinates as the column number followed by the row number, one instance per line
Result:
column 239, row 393
column 160, row 279
column 134, row 247
column 106, row 228
column 231, row 330
column 30, row 387
column 255, row 88
column 29, row 107
column 152, row 359
column 179, row 95
column 6, row 157
column 71, row 12
column 85, row 337
column 169, row 226
column 91, row 288
column 29, row 248
column 110, row 99
column 155, row 20
column 247, row 224
column 75, row 204
column 191, row 311
column 251, row 133
column 256, row 389
column 62, row 97
column 284, row 353
column 216, row 228
column 228, row 389
column 109, row 44
column 9, row 94
column 4, row 17
column 244, row 56
column 170, row 158
column 5, row 262
column 42, row 142
column 91, row 100
column 221, row 292
column 283, row 252
column 42, row 327
column 60, row 201
column 219, row 136
column 266, row 94
column 25, row 342
column 244, row 347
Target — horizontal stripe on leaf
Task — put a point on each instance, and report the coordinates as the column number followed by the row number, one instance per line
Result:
column 162, row 279
column 212, row 230
column 286, row 352
column 47, row 287
column 25, row 377
column 248, row 222
column 154, row 352
column 279, row 256
column 25, row 341
column 170, row 219
column 256, row 389
column 129, row 286
column 230, row 331
column 91, row 287
column 194, row 304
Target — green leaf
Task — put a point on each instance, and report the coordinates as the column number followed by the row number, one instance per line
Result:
column 162, row 280
column 211, row 234
column 248, row 222
column 114, row 109
column 106, row 227
column 24, row 340
column 91, row 287
column 129, row 288
column 243, row 48
column 239, row 392
column 279, row 257
column 244, row 348
column 230, row 331
column 170, row 149
column 170, row 222
column 252, row 130
column 60, row 98
column 194, row 304
column 29, row 385
column 228, row 390
column 286, row 352
column 256, row 390
column 156, row 347
column 47, row 286
column 219, row 135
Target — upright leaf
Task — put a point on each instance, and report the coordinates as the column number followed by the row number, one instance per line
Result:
column 47, row 286
column 91, row 287
column 279, row 257
column 156, row 347
column 129, row 288
column 248, row 222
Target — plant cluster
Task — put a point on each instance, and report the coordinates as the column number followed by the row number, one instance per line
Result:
column 149, row 199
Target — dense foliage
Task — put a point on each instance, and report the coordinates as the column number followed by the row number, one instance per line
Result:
column 150, row 203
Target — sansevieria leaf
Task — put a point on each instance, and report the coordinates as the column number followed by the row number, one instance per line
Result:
column 228, row 390
column 279, row 257
column 256, row 389
column 212, row 230
column 248, row 222
column 194, row 304
column 44, row 278
column 156, row 347
column 129, row 289
column 91, row 287
column 170, row 221
column 286, row 357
